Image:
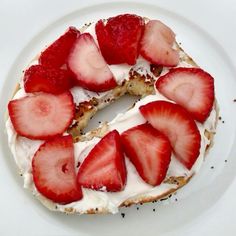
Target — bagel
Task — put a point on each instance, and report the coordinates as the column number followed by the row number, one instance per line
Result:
column 140, row 81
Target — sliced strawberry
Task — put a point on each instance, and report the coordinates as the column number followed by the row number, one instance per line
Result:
column 119, row 38
column 191, row 88
column 104, row 166
column 54, row 171
column 89, row 67
column 56, row 54
column 39, row 78
column 178, row 125
column 42, row 116
column 149, row 151
column 156, row 44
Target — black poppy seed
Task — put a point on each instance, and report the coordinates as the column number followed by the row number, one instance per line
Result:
column 96, row 209
column 153, row 209
column 78, row 164
column 170, row 196
column 137, row 208
column 235, row 100
column 223, row 121
column 176, row 199
column 141, row 203
column 225, row 160
column 99, row 122
column 56, row 207
column 212, row 167
column 123, row 215
column 163, row 199
column 220, row 117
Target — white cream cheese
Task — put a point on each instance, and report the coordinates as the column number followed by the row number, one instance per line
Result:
column 23, row 149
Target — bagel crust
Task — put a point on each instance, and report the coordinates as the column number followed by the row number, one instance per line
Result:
column 137, row 84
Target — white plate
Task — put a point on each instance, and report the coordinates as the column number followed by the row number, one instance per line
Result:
column 193, row 200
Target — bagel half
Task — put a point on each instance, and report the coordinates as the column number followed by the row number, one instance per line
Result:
column 140, row 85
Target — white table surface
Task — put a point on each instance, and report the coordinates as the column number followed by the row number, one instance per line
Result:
column 20, row 20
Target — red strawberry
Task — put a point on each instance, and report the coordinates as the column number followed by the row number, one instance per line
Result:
column 39, row 78
column 156, row 44
column 191, row 88
column 119, row 38
column 89, row 67
column 178, row 125
column 42, row 116
column 149, row 151
column 56, row 54
column 54, row 171
column 104, row 166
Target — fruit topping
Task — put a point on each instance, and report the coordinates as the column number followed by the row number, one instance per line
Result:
column 191, row 88
column 119, row 38
column 89, row 67
column 156, row 44
column 54, row 171
column 104, row 167
column 42, row 116
column 56, row 54
column 178, row 125
column 149, row 151
column 39, row 78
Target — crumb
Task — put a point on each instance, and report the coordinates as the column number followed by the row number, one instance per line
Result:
column 123, row 215
column 78, row 164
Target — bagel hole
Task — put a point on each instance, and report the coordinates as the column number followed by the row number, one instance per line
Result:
column 111, row 111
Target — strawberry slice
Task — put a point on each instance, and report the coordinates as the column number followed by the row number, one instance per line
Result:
column 104, row 166
column 56, row 54
column 149, row 151
column 39, row 78
column 156, row 44
column 89, row 67
column 42, row 116
column 191, row 88
column 178, row 125
column 119, row 38
column 54, row 171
